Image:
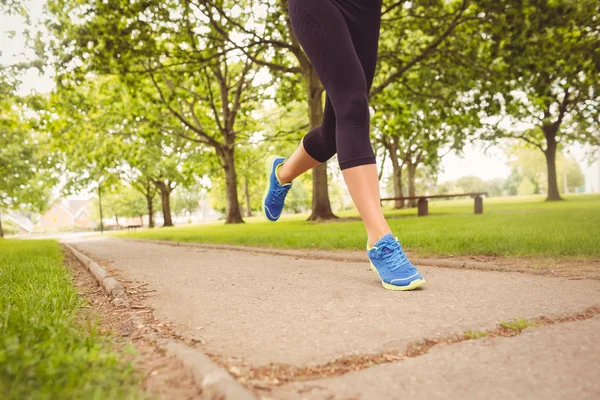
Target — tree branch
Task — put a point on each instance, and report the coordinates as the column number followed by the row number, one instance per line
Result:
column 429, row 49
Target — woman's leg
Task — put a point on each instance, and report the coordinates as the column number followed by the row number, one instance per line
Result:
column 342, row 45
column 364, row 23
column 322, row 142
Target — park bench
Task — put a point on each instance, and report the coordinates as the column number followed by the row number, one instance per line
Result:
column 133, row 227
column 423, row 203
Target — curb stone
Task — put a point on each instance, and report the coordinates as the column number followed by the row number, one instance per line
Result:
column 215, row 383
column 111, row 286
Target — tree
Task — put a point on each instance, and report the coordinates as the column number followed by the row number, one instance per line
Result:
column 530, row 166
column 570, row 175
column 511, row 185
column 494, row 187
column 128, row 202
column 143, row 184
column 187, row 201
column 425, row 94
column 286, row 59
column 547, row 73
column 26, row 164
column 430, row 25
column 417, row 130
column 79, row 119
column 470, row 184
column 185, row 53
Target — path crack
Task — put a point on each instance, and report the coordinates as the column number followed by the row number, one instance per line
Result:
column 266, row 377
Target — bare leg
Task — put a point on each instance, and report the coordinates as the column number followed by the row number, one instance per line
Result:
column 296, row 165
column 363, row 185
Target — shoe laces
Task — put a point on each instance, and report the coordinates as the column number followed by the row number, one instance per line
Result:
column 279, row 194
column 392, row 254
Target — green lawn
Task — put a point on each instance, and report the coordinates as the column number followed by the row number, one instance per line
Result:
column 46, row 350
column 516, row 226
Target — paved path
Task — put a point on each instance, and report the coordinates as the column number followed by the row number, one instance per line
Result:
column 262, row 309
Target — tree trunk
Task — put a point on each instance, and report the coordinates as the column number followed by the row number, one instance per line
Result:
column 550, row 153
column 321, row 206
column 412, row 171
column 397, row 178
column 232, row 209
column 150, row 211
column 165, row 198
column 117, row 219
column 247, row 194
column 1, row 230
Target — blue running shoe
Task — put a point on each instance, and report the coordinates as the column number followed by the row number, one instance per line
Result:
column 274, row 197
column 390, row 262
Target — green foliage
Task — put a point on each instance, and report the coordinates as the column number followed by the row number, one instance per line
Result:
column 82, row 121
column 187, row 201
column 544, row 55
column 26, row 164
column 124, row 201
column 10, row 228
column 511, row 185
column 298, row 200
column 46, row 351
column 470, row 184
column 514, row 226
column 424, row 95
column 185, row 53
column 568, row 169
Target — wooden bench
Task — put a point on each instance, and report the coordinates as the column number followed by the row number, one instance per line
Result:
column 133, row 227
column 423, row 203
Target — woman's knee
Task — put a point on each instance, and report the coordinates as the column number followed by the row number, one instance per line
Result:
column 353, row 110
column 320, row 143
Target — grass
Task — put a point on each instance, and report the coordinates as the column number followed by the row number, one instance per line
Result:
column 472, row 335
column 46, row 350
column 517, row 226
column 518, row 324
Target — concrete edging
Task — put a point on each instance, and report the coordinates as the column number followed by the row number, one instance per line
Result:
column 111, row 285
column 214, row 381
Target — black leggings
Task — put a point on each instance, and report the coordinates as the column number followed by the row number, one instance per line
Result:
column 340, row 38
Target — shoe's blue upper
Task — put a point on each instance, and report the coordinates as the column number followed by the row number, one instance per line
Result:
column 275, row 197
column 390, row 260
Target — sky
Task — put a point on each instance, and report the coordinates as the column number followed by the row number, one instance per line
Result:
column 473, row 161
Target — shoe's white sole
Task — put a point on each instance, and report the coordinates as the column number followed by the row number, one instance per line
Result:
column 417, row 283
column 268, row 168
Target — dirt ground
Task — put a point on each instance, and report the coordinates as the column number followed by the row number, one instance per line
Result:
column 161, row 376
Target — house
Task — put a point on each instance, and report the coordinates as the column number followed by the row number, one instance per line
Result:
column 66, row 215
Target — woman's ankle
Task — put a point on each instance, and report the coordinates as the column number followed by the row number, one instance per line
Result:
column 282, row 177
column 375, row 237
